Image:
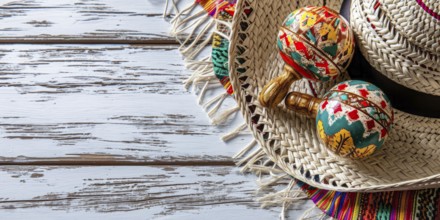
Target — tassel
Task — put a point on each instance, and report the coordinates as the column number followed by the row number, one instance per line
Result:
column 283, row 197
column 205, row 62
column 195, row 47
column 218, row 100
column 234, row 133
column 166, row 13
column 291, row 196
column 245, row 149
column 202, row 74
column 203, row 77
column 201, row 71
column 181, row 25
column 308, row 212
column 224, row 116
column 193, row 43
column 250, row 162
column 202, row 92
column 177, row 21
column 201, row 33
column 273, row 179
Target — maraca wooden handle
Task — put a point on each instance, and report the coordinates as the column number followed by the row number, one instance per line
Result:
column 275, row 91
column 303, row 104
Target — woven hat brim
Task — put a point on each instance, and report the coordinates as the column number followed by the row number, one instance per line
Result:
column 409, row 160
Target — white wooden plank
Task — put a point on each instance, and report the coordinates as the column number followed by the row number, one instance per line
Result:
column 133, row 192
column 83, row 21
column 108, row 104
column 103, row 103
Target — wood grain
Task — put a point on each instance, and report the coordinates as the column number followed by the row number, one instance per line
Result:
column 84, row 21
column 159, row 192
column 98, row 103
column 99, row 82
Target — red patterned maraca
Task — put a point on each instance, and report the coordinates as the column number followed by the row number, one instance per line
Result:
column 353, row 119
column 316, row 43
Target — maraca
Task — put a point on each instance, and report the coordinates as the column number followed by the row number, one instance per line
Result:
column 316, row 43
column 353, row 119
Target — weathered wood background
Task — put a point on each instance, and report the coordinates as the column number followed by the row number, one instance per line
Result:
column 95, row 123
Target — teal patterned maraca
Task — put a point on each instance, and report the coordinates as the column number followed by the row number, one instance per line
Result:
column 353, row 119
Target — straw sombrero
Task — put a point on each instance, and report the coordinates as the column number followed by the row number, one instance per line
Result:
column 419, row 204
column 405, row 56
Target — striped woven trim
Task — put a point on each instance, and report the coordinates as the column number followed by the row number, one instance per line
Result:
column 212, row 6
column 392, row 205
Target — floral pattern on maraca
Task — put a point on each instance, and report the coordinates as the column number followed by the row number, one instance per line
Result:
column 317, row 42
column 354, row 119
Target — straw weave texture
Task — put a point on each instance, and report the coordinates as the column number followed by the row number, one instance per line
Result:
column 409, row 160
column 401, row 40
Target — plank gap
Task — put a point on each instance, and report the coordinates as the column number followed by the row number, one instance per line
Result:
column 117, row 163
column 87, row 41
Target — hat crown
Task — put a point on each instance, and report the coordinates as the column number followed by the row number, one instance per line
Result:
column 416, row 20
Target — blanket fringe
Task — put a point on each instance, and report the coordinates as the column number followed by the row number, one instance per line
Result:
column 193, row 29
